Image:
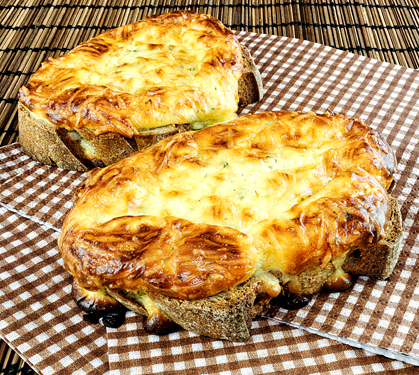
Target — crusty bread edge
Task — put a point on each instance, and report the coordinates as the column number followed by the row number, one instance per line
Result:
column 379, row 261
column 41, row 142
column 227, row 315
column 250, row 83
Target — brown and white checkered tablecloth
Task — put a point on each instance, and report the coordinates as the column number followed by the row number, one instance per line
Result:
column 41, row 322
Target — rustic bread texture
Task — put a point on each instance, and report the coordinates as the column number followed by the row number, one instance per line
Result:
column 227, row 315
column 42, row 142
column 109, row 147
column 150, row 137
column 308, row 282
column 379, row 262
column 250, row 83
column 52, row 146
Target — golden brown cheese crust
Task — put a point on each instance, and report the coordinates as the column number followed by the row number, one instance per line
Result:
column 176, row 68
column 280, row 191
column 168, row 255
column 350, row 213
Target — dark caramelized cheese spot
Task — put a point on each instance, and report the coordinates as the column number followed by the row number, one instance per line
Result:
column 93, row 301
column 338, row 281
column 167, row 255
column 201, row 212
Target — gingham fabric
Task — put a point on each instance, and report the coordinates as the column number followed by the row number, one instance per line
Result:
column 313, row 77
column 273, row 349
column 41, row 322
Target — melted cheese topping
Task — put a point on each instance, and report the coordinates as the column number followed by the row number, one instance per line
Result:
column 291, row 191
column 177, row 68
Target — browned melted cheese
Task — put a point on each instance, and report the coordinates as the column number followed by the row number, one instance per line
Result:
column 177, row 68
column 201, row 212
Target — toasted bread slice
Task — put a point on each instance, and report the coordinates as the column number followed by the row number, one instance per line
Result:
column 46, row 144
column 379, row 262
column 192, row 233
column 228, row 315
column 134, row 88
column 250, row 83
column 54, row 146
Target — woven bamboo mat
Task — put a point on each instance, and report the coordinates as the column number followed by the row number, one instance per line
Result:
column 33, row 30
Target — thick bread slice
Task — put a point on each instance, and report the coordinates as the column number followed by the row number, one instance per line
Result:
column 150, row 137
column 155, row 322
column 228, row 315
column 379, row 262
column 53, row 146
column 49, row 145
column 109, row 147
column 250, row 83
column 42, row 142
column 308, row 282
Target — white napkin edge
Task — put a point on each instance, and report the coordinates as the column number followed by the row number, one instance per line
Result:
column 411, row 359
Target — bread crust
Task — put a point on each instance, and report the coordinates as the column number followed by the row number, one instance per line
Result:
column 250, row 82
column 109, row 147
column 114, row 123
column 379, row 261
column 227, row 315
column 41, row 142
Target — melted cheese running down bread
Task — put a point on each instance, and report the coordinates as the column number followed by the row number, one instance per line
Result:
column 177, row 68
column 202, row 212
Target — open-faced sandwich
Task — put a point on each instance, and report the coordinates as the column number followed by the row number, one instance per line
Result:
column 204, row 228
column 127, row 89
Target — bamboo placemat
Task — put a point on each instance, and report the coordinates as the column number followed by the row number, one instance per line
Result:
column 32, row 30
